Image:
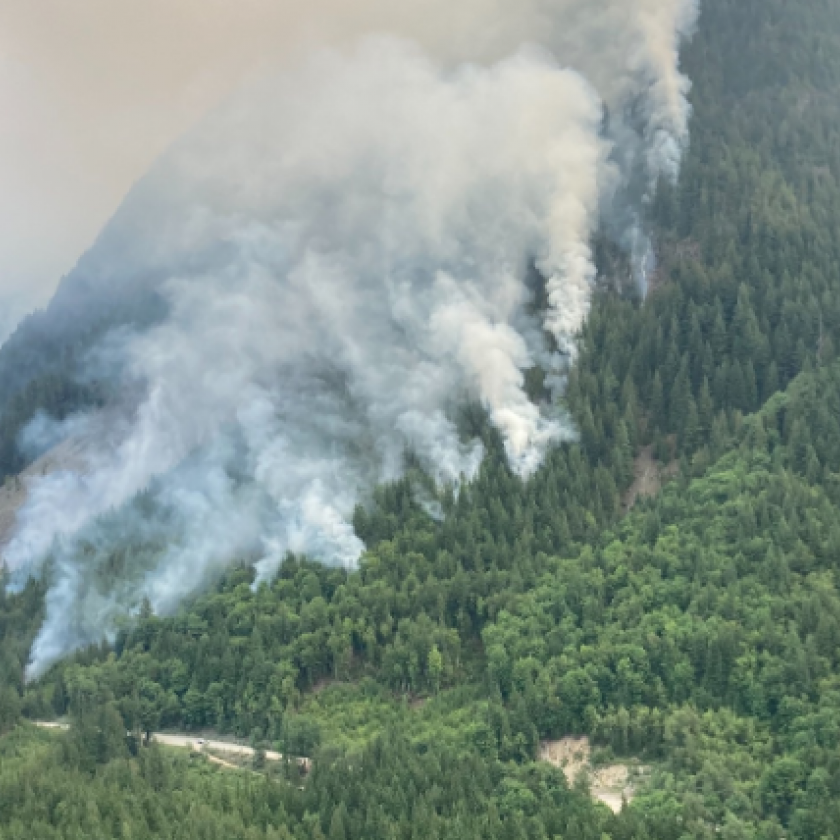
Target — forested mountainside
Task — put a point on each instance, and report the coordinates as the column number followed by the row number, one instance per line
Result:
column 696, row 631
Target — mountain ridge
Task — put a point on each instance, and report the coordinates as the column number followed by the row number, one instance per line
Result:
column 698, row 632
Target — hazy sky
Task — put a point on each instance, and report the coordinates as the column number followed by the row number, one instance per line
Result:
column 91, row 91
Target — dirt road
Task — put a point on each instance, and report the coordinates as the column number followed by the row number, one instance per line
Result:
column 199, row 744
column 203, row 744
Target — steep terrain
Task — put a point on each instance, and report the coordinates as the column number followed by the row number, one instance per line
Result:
column 694, row 632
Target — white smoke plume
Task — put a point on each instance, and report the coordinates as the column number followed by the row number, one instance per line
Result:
column 343, row 249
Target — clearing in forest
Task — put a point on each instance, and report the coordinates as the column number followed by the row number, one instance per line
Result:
column 611, row 784
column 648, row 475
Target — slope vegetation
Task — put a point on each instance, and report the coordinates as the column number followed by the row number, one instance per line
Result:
column 698, row 634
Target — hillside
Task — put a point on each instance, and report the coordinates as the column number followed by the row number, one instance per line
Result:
column 695, row 632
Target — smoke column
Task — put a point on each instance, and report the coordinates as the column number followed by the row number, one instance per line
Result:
column 343, row 249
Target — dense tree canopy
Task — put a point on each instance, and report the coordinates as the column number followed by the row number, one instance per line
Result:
column 697, row 630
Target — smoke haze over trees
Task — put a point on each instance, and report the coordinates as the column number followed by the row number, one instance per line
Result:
column 327, row 269
column 694, row 633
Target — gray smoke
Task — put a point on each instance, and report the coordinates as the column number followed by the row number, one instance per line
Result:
column 343, row 249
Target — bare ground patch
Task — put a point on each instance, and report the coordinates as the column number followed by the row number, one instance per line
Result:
column 613, row 784
column 649, row 475
column 214, row 759
column 647, row 479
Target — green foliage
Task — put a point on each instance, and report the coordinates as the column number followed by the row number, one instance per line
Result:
column 700, row 633
column 388, row 790
column 748, row 288
column 20, row 616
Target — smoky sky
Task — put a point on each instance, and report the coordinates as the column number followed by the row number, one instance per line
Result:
column 92, row 91
column 342, row 238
